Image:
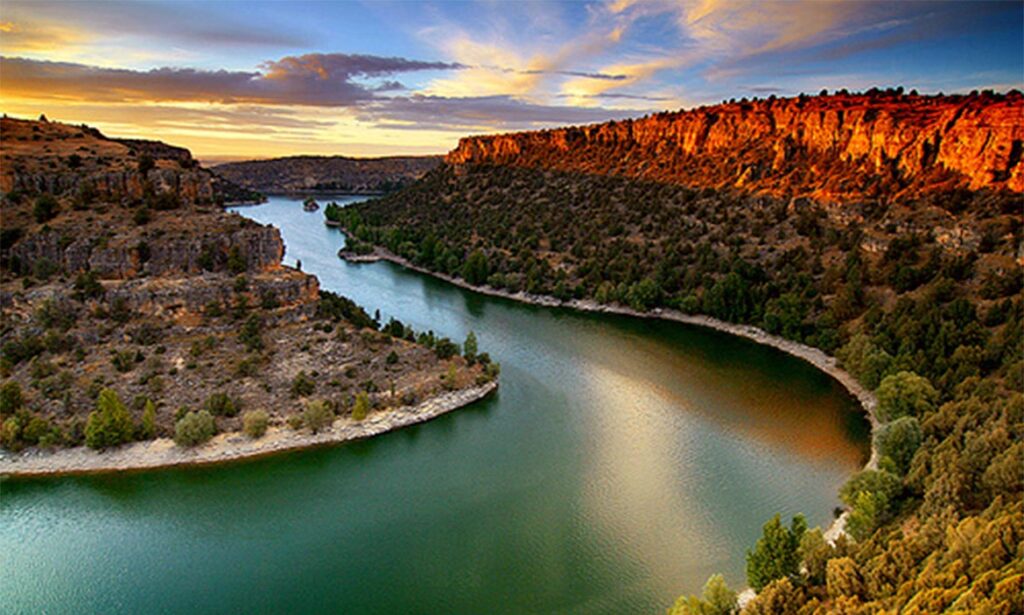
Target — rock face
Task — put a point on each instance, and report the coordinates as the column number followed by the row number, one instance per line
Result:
column 840, row 147
column 302, row 173
column 62, row 159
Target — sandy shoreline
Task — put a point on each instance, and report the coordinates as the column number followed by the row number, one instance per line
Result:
column 819, row 359
column 233, row 446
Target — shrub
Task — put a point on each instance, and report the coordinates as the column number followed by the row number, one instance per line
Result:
column 147, row 429
column 11, row 399
column 905, row 394
column 444, row 348
column 194, row 428
column 250, row 336
column 470, row 348
column 303, row 385
column 898, row 441
column 361, row 407
column 254, row 423
column 221, row 404
column 124, row 361
column 236, row 262
column 317, row 415
column 777, row 553
column 110, row 423
column 45, row 208
column 716, row 599
column 450, row 378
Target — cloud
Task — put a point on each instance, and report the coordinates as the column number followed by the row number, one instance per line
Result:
column 312, row 79
column 478, row 113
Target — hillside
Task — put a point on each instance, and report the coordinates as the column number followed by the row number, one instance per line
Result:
column 122, row 275
column 883, row 229
column 840, row 147
column 328, row 173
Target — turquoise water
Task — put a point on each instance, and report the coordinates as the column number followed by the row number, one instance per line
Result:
column 621, row 463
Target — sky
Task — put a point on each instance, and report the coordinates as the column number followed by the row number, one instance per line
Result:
column 250, row 79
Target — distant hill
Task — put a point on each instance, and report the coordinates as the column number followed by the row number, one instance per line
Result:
column 335, row 173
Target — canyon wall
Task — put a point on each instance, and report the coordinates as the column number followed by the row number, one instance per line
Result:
column 836, row 147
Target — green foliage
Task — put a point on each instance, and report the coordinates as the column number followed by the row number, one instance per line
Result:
column 777, row 553
column 254, row 423
column 445, row 349
column 318, row 415
column 87, row 286
column 194, row 428
column 45, row 208
column 898, row 441
column 866, row 361
column 221, row 404
column 335, row 307
column 872, row 496
column 250, row 334
column 236, row 261
column 110, row 423
column 361, row 407
column 477, row 269
column 450, row 379
column 392, row 358
column 303, row 385
column 146, row 163
column 905, row 394
column 147, row 427
column 470, row 348
column 716, row 599
column 11, row 399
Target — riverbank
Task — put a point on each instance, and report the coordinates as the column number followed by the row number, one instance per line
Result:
column 233, row 446
column 816, row 357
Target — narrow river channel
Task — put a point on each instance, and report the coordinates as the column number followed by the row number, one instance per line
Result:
column 621, row 462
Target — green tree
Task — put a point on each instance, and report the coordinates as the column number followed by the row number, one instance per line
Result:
column 871, row 496
column 194, row 428
column 361, row 407
column 777, row 553
column 899, row 440
column 450, row 378
column 716, row 599
column 254, row 423
column 477, row 268
column 303, row 385
column 147, row 429
column 250, row 335
column 221, row 404
column 110, row 423
column 45, row 209
column 469, row 348
column 317, row 415
column 866, row 361
column 11, row 399
column 905, row 394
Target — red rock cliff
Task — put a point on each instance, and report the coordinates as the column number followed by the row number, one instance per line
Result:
column 836, row 147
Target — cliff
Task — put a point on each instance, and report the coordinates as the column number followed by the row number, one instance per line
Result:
column 64, row 159
column 839, row 147
column 338, row 173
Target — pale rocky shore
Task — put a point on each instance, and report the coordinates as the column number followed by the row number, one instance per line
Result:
column 163, row 453
column 814, row 356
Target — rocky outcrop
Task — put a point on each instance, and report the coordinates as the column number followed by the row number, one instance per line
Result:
column 257, row 248
column 840, row 147
column 328, row 173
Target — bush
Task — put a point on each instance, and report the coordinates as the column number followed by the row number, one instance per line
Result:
column 250, row 336
column 110, row 423
column 716, row 599
column 777, row 553
column 898, row 441
column 45, row 208
column 444, row 348
column 147, row 430
column 303, row 385
column 221, row 404
column 254, row 423
column 905, row 394
column 11, row 399
column 872, row 496
column 361, row 407
column 317, row 415
column 194, row 428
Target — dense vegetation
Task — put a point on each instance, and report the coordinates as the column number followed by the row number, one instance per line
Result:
column 920, row 300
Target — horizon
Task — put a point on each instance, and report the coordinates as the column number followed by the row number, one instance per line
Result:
column 391, row 79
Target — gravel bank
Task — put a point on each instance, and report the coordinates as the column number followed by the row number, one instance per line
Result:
column 163, row 453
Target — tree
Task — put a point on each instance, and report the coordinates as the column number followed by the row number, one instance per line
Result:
column 194, row 428
column 777, row 553
column 303, row 385
column 250, row 336
column 843, row 578
column 866, row 361
column 147, row 430
column 254, row 423
column 450, row 378
column 317, row 415
column 898, row 441
column 871, row 496
column 11, row 399
column 469, row 348
column 221, row 404
column 146, row 163
column 477, row 268
column 45, row 209
column 716, row 599
column 110, row 423
column 361, row 407
column 905, row 394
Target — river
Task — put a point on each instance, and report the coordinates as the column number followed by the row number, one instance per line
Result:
column 621, row 462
